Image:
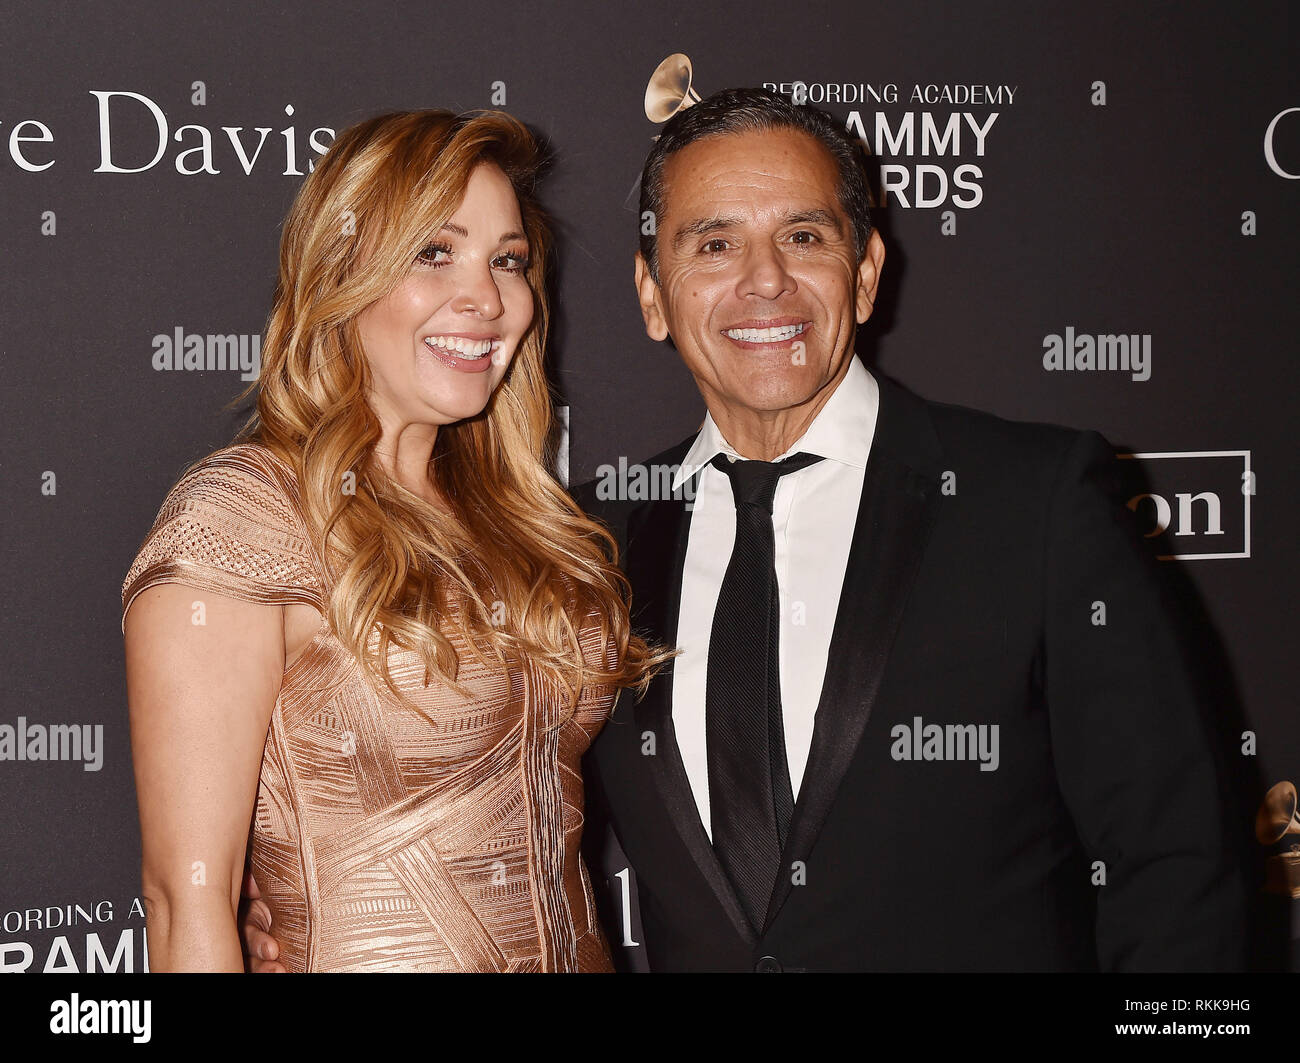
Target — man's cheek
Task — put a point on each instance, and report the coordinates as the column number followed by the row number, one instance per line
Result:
column 699, row 296
column 679, row 296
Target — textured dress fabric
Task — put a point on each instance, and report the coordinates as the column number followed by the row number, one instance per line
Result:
column 439, row 837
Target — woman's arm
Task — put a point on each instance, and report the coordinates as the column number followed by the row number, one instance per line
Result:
column 203, row 672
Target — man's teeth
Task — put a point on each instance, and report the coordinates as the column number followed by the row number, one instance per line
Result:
column 765, row 335
column 462, row 347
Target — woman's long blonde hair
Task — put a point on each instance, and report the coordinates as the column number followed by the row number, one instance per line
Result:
column 515, row 565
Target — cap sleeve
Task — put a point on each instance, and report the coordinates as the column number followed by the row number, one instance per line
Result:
column 231, row 525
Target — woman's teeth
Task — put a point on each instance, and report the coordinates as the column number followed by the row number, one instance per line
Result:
column 765, row 335
column 462, row 347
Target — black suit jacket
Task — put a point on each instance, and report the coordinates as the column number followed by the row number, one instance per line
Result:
column 986, row 556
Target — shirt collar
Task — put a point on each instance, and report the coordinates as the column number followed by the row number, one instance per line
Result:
column 841, row 431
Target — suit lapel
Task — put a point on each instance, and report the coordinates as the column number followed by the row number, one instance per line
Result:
column 655, row 553
column 899, row 505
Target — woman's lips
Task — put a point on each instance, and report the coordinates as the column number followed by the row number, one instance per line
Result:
column 462, row 364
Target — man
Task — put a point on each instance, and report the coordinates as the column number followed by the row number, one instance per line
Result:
column 999, row 760
column 927, row 712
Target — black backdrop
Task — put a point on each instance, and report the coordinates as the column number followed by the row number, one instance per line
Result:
column 1136, row 172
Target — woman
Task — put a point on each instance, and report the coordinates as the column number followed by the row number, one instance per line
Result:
column 375, row 626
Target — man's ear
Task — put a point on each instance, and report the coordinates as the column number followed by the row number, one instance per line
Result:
column 647, row 293
column 869, row 276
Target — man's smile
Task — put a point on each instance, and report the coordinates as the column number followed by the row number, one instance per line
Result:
column 765, row 334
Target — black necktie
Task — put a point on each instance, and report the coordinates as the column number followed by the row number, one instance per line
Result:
column 750, row 797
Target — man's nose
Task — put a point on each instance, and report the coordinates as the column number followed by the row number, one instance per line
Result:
column 764, row 272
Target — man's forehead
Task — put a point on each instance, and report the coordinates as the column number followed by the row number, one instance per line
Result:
column 786, row 169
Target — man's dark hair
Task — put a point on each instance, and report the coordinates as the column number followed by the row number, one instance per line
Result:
column 747, row 111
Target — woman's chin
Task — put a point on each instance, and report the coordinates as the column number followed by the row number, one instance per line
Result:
column 457, row 396
column 461, row 407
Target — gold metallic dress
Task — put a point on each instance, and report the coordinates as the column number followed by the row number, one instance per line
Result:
column 384, row 838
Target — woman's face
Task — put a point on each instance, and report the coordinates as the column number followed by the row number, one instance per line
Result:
column 439, row 343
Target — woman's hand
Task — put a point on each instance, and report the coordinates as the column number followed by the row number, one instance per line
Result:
column 203, row 673
column 261, row 950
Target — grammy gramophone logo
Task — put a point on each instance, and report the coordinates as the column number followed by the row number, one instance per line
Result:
column 669, row 89
column 667, row 92
column 1277, row 818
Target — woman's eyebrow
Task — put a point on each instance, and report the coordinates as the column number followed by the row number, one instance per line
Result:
column 460, row 230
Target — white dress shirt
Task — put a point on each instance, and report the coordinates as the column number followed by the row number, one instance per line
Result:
column 814, row 513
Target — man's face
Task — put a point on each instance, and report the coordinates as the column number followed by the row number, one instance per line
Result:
column 758, row 283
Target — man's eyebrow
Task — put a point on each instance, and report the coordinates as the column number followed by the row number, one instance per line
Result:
column 459, row 230
column 816, row 216
column 700, row 226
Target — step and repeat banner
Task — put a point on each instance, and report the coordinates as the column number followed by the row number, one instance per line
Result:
column 1090, row 211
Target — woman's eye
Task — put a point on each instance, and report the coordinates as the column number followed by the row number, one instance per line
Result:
column 429, row 253
column 511, row 262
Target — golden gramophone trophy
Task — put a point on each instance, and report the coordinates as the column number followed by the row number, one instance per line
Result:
column 1276, row 819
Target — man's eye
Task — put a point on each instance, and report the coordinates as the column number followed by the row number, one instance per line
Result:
column 713, row 246
column 804, row 233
